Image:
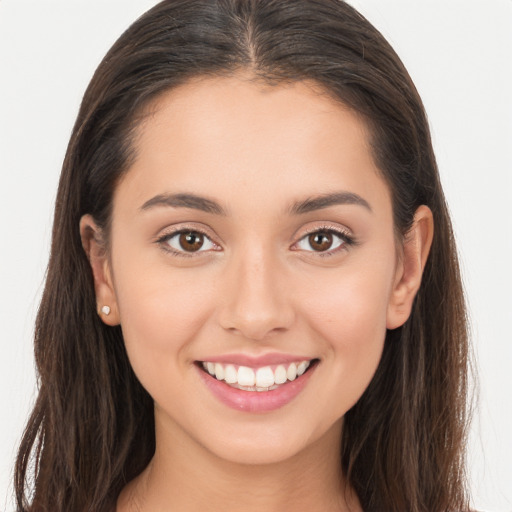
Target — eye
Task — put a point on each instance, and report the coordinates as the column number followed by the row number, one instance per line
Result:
column 188, row 242
column 323, row 240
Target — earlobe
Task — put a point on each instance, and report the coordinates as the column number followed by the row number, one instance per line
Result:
column 94, row 247
column 415, row 252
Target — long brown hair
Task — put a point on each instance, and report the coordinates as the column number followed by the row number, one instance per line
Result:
column 92, row 427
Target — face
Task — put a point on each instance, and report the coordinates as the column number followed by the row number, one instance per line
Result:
column 252, row 239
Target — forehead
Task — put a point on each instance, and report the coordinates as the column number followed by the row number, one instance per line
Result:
column 235, row 137
column 206, row 105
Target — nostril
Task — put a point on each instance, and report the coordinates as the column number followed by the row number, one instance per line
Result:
column 255, row 309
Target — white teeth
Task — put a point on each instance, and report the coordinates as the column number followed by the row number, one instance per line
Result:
column 301, row 368
column 230, row 375
column 264, row 377
column 260, row 379
column 219, row 371
column 280, row 376
column 246, row 376
column 291, row 373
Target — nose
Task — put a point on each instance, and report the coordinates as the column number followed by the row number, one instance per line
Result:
column 257, row 297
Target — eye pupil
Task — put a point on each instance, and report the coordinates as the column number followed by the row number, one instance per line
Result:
column 320, row 241
column 191, row 241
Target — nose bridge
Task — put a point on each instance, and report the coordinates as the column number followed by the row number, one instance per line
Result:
column 257, row 302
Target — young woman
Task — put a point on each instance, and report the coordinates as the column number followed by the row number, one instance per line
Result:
column 253, row 300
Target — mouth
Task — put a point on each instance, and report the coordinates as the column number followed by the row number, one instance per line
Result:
column 260, row 379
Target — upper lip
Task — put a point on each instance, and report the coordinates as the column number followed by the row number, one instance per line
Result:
column 256, row 361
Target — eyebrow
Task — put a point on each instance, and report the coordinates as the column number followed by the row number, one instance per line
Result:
column 184, row 201
column 204, row 204
column 326, row 200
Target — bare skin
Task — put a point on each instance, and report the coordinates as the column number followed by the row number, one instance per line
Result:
column 320, row 281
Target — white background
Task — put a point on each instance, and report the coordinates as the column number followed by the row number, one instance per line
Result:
column 459, row 54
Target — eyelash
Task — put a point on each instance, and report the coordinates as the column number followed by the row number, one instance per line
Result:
column 163, row 242
column 347, row 241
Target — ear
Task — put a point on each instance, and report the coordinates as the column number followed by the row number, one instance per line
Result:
column 410, row 269
column 94, row 246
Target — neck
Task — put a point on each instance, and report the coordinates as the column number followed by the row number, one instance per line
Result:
column 188, row 478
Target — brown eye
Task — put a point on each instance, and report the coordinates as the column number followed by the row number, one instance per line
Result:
column 188, row 242
column 320, row 241
column 324, row 241
column 191, row 241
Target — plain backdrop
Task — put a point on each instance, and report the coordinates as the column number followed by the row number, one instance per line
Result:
column 459, row 54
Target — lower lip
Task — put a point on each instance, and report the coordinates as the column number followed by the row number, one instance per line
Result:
column 256, row 401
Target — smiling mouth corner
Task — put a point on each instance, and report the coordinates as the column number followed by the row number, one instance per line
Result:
column 264, row 378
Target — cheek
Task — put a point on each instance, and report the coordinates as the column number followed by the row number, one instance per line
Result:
column 161, row 311
column 351, row 304
column 349, row 319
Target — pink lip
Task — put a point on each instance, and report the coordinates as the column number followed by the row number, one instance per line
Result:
column 256, row 361
column 256, row 401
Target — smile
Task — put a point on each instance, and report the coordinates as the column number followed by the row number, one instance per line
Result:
column 257, row 388
column 266, row 378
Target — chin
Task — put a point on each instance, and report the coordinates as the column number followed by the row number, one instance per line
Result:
column 271, row 444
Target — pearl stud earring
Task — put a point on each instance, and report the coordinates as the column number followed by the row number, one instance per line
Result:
column 105, row 310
